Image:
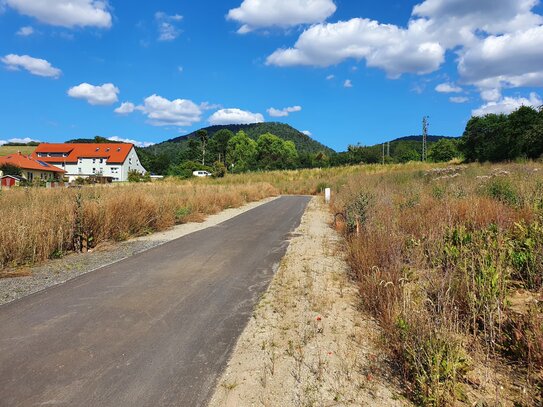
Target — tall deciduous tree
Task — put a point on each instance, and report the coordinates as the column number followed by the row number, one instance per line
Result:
column 274, row 153
column 202, row 136
column 218, row 145
column 10, row 169
column 241, row 152
column 504, row 137
column 444, row 150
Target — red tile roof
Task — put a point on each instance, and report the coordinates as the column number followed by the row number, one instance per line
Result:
column 115, row 153
column 28, row 163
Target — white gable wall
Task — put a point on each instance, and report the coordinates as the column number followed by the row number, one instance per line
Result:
column 87, row 167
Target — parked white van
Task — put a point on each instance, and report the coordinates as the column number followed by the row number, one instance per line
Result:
column 201, row 174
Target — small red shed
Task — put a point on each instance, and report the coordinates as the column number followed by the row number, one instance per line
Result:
column 9, row 181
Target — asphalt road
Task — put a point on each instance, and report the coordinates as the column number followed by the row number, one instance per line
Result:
column 155, row 329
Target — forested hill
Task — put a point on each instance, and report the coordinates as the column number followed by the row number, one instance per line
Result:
column 303, row 143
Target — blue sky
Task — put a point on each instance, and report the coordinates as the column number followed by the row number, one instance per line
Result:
column 345, row 71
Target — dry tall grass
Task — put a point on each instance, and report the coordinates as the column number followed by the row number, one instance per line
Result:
column 450, row 261
column 38, row 224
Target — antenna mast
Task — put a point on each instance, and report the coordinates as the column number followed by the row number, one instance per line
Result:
column 425, row 125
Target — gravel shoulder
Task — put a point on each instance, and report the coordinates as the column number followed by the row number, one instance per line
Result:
column 58, row 271
column 307, row 343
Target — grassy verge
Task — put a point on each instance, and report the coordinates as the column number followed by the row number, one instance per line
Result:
column 6, row 150
column 39, row 224
column 450, row 262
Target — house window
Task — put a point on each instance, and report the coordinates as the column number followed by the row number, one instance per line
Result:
column 94, row 170
column 101, row 160
column 94, row 160
column 79, row 170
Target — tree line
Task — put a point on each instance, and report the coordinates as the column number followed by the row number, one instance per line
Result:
column 502, row 137
column 240, row 153
column 226, row 151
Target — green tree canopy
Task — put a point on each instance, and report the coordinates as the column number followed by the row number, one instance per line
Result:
column 444, row 150
column 10, row 169
column 405, row 153
column 274, row 153
column 218, row 145
column 499, row 137
column 241, row 152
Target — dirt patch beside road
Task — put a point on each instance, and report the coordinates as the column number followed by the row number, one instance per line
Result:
column 307, row 343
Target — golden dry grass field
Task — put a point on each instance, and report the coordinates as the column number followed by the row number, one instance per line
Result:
column 448, row 259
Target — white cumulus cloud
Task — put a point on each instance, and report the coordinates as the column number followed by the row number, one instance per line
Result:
column 508, row 104
column 131, row 141
column 254, row 14
column 348, row 83
column 25, row 31
column 508, row 60
column 491, row 16
column 66, row 13
column 105, row 94
column 125, row 108
column 307, row 133
column 448, row 88
column 167, row 28
column 163, row 112
column 283, row 112
column 35, row 66
column 497, row 43
column 386, row 46
column 235, row 116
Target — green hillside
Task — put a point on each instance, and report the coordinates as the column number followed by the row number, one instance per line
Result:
column 7, row 150
column 158, row 158
column 303, row 143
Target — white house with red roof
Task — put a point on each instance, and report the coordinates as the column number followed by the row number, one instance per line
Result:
column 82, row 160
column 32, row 169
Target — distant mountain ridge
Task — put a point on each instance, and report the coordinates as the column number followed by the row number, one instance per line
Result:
column 430, row 139
column 303, row 142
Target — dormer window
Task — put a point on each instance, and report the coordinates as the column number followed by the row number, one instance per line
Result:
column 118, row 149
column 107, row 149
column 97, row 148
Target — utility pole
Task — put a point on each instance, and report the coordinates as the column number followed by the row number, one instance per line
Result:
column 383, row 153
column 388, row 149
column 425, row 125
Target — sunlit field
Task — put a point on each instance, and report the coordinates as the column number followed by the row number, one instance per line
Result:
column 449, row 259
column 450, row 262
